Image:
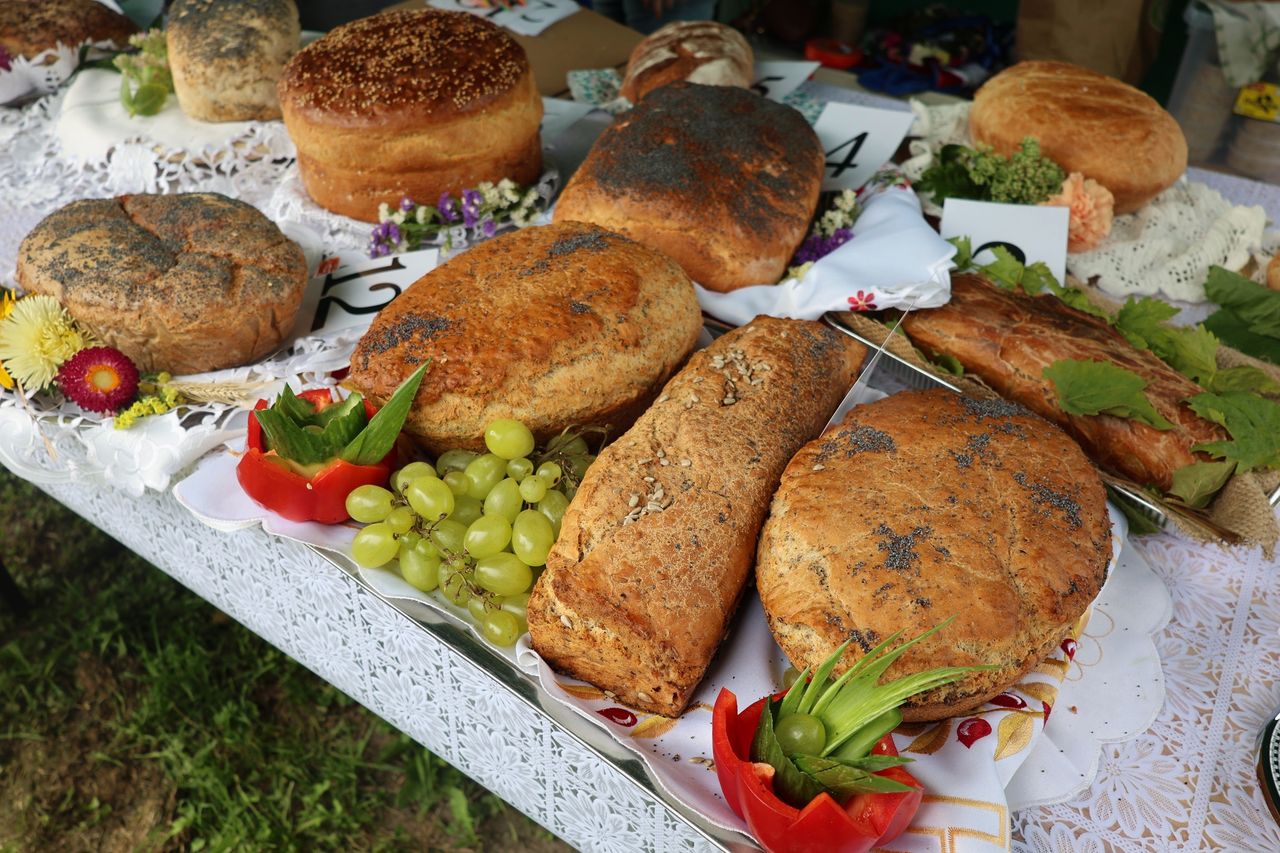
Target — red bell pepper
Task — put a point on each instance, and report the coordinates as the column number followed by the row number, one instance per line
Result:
column 323, row 497
column 823, row 825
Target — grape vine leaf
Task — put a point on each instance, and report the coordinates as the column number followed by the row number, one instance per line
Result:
column 1102, row 388
column 1234, row 331
column 1253, row 423
column 1198, row 482
column 1257, row 305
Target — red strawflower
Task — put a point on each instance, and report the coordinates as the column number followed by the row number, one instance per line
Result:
column 99, row 379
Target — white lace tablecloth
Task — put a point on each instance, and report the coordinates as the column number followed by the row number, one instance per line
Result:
column 1187, row 784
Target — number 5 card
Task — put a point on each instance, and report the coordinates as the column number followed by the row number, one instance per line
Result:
column 857, row 141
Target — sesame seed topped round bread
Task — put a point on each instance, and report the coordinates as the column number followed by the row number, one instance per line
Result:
column 706, row 52
column 227, row 55
column 556, row 326
column 1085, row 122
column 184, row 283
column 717, row 177
column 30, row 27
column 410, row 103
column 928, row 505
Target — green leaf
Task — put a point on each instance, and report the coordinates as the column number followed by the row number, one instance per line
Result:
column 1252, row 421
column 964, row 252
column 291, row 441
column 301, row 412
column 873, row 763
column 353, row 402
column 379, row 436
column 1005, row 270
column 1036, row 278
column 1233, row 331
column 1243, row 378
column 860, row 744
column 149, row 99
column 1257, row 305
column 1079, row 300
column 789, row 783
column 346, row 422
column 1138, row 317
column 948, row 363
column 949, row 176
column 1139, row 524
column 1198, row 482
column 844, row 781
column 1102, row 388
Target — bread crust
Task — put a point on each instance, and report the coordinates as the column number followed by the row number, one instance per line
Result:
column 639, row 607
column 927, row 505
column 185, row 283
column 28, row 28
column 417, row 103
column 719, row 178
column 557, row 326
column 1085, row 122
column 705, row 52
column 1007, row 339
column 227, row 56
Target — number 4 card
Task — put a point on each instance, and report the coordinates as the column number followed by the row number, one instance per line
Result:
column 857, row 141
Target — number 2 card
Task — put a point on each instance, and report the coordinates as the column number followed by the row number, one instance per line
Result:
column 857, row 141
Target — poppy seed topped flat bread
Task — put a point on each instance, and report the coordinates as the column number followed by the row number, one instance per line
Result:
column 928, row 505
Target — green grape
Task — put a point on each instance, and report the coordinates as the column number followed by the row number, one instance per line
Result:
column 500, row 628
column 374, row 546
column 406, row 475
column 518, row 469
column 550, row 472
column 430, row 498
column 504, row 500
column 458, row 482
column 801, row 734
column 533, row 488
column 448, row 536
column 487, row 535
column 485, row 472
column 478, row 606
column 566, row 444
column 466, row 509
column 532, row 537
column 409, row 541
column 401, row 520
column 454, row 460
column 553, row 505
column 368, row 503
column 453, row 583
column 508, row 438
column 789, row 676
column 420, row 568
column 503, row 574
column 517, row 604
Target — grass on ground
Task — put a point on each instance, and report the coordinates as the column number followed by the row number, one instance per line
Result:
column 134, row 716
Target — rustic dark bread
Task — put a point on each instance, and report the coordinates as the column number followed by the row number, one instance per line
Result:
column 1006, row 339
column 645, row 576
column 410, row 103
column 184, row 283
column 705, row 52
column 927, row 505
column 719, row 178
column 30, row 27
column 1085, row 122
column 227, row 56
column 563, row 325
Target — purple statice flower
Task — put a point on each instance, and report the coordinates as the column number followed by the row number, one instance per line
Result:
column 816, row 246
column 488, row 227
column 384, row 239
column 471, row 201
column 448, row 208
column 406, row 204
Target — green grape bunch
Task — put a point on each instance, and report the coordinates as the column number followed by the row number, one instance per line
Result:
column 145, row 79
column 475, row 528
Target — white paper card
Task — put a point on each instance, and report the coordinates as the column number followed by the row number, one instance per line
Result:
column 1030, row 232
column 527, row 20
column 348, row 290
column 776, row 80
column 559, row 115
column 858, row 141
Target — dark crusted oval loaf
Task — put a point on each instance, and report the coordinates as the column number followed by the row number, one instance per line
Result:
column 186, row 283
column 656, row 548
column 927, row 505
column 29, row 28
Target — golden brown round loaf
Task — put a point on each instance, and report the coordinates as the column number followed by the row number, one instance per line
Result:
column 563, row 325
column 185, row 283
column 697, row 51
column 410, row 103
column 227, row 56
column 1085, row 122
column 719, row 178
column 30, row 27
column 928, row 505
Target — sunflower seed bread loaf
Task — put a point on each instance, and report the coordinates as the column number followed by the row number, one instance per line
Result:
column 656, row 548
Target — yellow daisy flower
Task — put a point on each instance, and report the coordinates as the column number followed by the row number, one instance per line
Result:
column 36, row 338
column 6, row 308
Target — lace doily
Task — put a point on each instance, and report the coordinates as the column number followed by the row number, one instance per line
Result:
column 1166, row 247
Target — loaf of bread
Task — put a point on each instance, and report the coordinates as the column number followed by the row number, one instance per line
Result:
column 184, row 283
column 411, row 103
column 227, row 56
column 1006, row 339
column 697, row 51
column 656, row 548
column 1085, row 122
column 719, row 178
column 30, row 27
column 924, row 506
column 564, row 325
